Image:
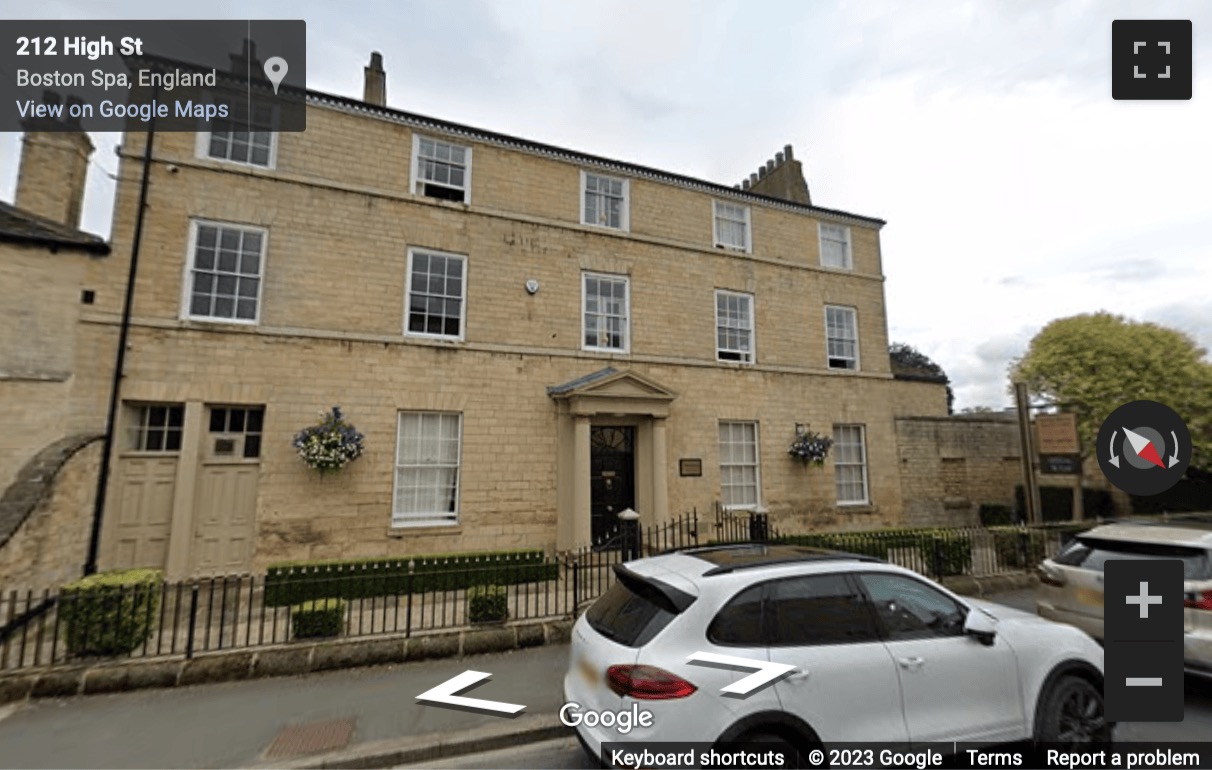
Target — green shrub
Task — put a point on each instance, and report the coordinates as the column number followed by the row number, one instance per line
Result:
column 863, row 543
column 321, row 617
column 945, row 553
column 487, row 603
column 110, row 613
column 1019, row 549
column 295, row 582
column 994, row 515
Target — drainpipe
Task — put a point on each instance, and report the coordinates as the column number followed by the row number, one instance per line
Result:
column 107, row 449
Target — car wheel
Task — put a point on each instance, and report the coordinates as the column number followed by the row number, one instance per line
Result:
column 794, row 753
column 1072, row 713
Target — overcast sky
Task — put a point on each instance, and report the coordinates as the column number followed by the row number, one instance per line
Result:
column 1016, row 190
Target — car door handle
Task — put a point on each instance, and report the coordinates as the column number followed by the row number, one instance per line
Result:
column 911, row 664
column 799, row 675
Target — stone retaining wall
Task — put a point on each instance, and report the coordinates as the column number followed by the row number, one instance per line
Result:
column 277, row 660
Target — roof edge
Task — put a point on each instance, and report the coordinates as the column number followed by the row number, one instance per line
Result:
column 507, row 140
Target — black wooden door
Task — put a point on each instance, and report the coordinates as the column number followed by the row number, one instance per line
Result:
column 612, row 476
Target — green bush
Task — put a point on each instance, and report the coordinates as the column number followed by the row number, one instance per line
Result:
column 295, row 582
column 863, row 543
column 945, row 553
column 1019, row 549
column 487, row 603
column 110, row 613
column 994, row 515
column 321, row 617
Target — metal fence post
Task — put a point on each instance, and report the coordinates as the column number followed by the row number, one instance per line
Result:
column 575, row 585
column 408, row 601
column 193, row 618
column 938, row 557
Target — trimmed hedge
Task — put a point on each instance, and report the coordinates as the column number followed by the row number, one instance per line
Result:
column 946, row 553
column 487, row 603
column 110, row 613
column 295, row 582
column 954, row 549
column 1018, row 549
column 322, row 617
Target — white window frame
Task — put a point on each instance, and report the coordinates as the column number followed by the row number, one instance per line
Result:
column 626, row 279
column 862, row 464
column 848, row 259
column 720, row 351
column 757, row 466
column 854, row 318
column 431, row 518
column 746, row 220
column 412, row 252
column 624, row 213
column 187, row 284
column 202, row 148
column 415, row 182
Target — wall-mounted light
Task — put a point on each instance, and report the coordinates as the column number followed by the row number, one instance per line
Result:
column 532, row 286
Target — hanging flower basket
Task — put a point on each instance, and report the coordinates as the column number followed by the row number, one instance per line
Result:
column 810, row 447
column 330, row 445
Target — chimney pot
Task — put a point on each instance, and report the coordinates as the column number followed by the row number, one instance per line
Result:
column 761, row 172
column 753, row 178
column 769, row 166
column 778, row 159
column 745, row 184
column 787, row 152
column 374, row 90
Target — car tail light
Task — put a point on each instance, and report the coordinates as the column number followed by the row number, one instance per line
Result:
column 1050, row 577
column 1198, row 600
column 647, row 682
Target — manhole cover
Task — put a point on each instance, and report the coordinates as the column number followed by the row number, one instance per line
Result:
column 311, row 738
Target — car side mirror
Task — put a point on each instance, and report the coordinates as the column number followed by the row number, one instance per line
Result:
column 980, row 626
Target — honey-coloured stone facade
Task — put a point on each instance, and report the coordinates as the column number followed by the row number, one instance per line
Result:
column 340, row 218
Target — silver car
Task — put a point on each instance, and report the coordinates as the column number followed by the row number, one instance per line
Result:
column 1071, row 583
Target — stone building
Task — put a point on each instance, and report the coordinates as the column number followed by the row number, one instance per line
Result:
column 44, row 261
column 530, row 338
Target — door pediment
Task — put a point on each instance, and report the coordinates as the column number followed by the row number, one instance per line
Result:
column 610, row 391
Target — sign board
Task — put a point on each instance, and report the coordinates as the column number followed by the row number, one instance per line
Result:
column 1060, row 464
column 690, row 466
column 1057, row 434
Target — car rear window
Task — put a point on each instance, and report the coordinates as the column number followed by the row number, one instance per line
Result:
column 626, row 617
column 1093, row 553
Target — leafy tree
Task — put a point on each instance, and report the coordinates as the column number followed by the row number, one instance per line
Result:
column 910, row 363
column 1092, row 363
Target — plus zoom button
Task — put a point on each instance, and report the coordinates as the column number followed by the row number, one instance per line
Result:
column 1151, row 59
column 1143, row 638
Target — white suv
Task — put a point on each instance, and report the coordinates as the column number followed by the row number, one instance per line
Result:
column 1071, row 583
column 879, row 654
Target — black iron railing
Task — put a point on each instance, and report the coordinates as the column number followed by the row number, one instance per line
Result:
column 50, row 628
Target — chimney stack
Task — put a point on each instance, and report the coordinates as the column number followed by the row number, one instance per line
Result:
column 54, row 166
column 781, row 177
column 375, row 89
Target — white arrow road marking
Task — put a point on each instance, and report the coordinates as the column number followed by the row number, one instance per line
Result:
column 1114, row 457
column 767, row 671
column 445, row 694
column 1174, row 455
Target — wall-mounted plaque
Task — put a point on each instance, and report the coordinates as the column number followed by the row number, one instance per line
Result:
column 690, row 466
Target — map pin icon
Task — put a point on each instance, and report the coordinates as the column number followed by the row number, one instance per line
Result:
column 275, row 70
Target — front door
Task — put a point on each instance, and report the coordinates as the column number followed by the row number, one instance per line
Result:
column 226, row 502
column 146, row 479
column 612, row 476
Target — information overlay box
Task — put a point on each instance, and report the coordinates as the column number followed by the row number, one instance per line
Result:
column 248, row 75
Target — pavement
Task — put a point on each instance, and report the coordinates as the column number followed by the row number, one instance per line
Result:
column 355, row 718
